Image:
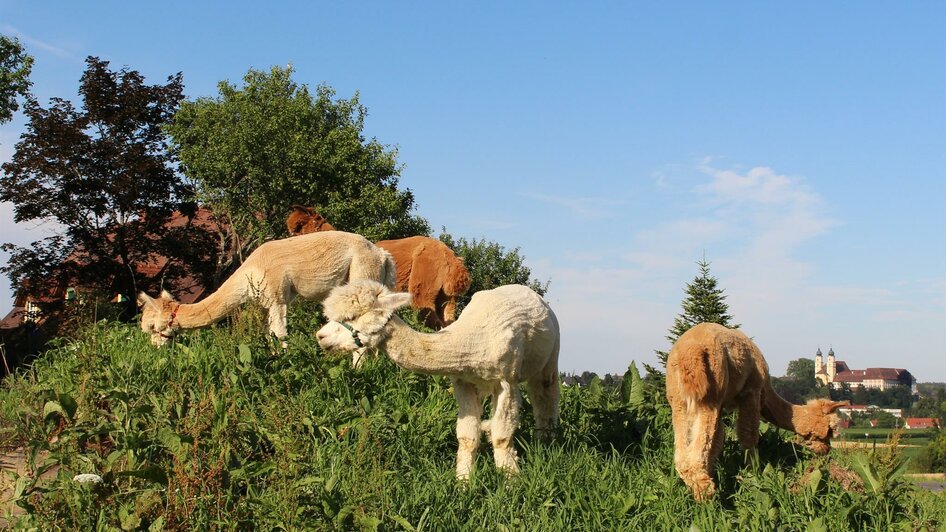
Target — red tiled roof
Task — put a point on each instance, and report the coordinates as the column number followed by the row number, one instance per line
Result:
column 921, row 422
column 188, row 289
column 860, row 375
column 13, row 319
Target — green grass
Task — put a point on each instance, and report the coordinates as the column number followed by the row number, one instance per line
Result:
column 224, row 431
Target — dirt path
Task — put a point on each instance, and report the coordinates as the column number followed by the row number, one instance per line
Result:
column 14, row 462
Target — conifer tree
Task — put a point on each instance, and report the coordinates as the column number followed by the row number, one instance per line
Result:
column 704, row 302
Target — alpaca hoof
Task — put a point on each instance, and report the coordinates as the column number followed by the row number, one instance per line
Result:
column 545, row 435
column 506, row 462
column 463, row 474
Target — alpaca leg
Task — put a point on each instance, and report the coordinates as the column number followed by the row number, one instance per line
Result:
column 277, row 323
column 503, row 426
column 705, row 444
column 747, row 426
column 423, row 300
column 468, row 426
column 681, row 436
column 449, row 309
column 544, row 394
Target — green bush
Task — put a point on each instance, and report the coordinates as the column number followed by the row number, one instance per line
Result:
column 933, row 458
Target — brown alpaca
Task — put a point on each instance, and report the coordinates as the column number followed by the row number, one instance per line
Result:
column 304, row 220
column 426, row 267
column 711, row 369
column 432, row 273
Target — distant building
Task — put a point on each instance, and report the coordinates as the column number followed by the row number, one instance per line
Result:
column 863, row 409
column 920, row 423
column 836, row 373
column 33, row 319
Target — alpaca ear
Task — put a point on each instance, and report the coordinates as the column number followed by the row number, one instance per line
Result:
column 830, row 406
column 145, row 299
column 395, row 300
column 166, row 295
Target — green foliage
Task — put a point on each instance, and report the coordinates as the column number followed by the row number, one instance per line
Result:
column 801, row 369
column 932, row 403
column 884, row 420
column 225, row 430
column 933, row 457
column 256, row 150
column 15, row 68
column 893, row 397
column 799, row 383
column 491, row 265
column 632, row 386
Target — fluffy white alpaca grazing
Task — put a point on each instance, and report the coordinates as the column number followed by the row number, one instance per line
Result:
column 308, row 266
column 504, row 336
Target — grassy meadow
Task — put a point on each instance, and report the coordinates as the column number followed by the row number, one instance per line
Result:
column 223, row 430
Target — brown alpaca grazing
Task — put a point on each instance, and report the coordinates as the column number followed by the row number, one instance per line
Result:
column 711, row 369
column 304, row 220
column 432, row 273
column 426, row 267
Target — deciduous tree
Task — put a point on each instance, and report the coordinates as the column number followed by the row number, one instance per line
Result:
column 256, row 150
column 103, row 174
column 15, row 68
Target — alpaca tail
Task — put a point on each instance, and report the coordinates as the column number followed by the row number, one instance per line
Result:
column 694, row 374
column 458, row 280
column 389, row 277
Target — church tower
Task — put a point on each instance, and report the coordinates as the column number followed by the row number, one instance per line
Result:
column 832, row 368
column 819, row 362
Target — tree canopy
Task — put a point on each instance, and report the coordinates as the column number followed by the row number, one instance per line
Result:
column 15, row 68
column 256, row 150
column 104, row 175
column 799, row 384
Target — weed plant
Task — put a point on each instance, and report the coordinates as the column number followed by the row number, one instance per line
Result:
column 225, row 430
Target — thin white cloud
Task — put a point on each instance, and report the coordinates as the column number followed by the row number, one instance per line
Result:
column 40, row 44
column 592, row 208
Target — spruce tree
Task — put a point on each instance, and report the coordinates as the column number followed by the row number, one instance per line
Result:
column 704, row 302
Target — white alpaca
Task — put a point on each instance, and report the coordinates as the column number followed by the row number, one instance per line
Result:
column 504, row 336
column 308, row 266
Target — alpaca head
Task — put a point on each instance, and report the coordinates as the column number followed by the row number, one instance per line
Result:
column 304, row 220
column 818, row 423
column 157, row 316
column 359, row 313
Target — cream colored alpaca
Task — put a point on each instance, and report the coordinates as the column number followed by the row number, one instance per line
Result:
column 711, row 369
column 504, row 336
column 308, row 266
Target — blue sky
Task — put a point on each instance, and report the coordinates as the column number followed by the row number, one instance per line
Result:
column 800, row 146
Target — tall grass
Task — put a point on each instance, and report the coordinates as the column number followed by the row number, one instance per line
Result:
column 225, row 430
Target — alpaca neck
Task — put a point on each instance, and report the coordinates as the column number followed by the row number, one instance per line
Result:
column 780, row 412
column 213, row 308
column 421, row 352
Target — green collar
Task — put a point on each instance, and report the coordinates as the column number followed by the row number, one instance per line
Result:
column 354, row 334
